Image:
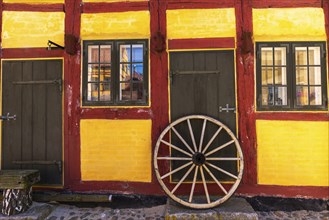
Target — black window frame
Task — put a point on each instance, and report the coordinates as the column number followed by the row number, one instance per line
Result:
column 115, row 76
column 291, row 77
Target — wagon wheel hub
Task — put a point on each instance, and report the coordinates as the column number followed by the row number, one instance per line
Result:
column 199, row 159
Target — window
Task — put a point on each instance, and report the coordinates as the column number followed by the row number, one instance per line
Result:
column 291, row 76
column 115, row 73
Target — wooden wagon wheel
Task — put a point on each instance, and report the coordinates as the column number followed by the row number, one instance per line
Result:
column 197, row 158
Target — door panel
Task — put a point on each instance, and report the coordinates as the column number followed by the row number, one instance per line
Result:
column 34, row 139
column 201, row 82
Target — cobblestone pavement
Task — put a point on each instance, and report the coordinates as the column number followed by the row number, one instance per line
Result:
column 302, row 214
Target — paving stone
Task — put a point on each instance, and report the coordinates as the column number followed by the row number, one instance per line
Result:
column 35, row 212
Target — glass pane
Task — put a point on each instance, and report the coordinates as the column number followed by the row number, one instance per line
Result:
column 93, row 54
column 315, row 95
column 137, row 72
column 267, row 96
column 137, row 92
column 105, row 54
column 137, row 53
column 301, row 55
column 302, row 95
column 92, row 72
column 315, row 75
column 281, row 96
column 301, row 76
column 280, row 75
column 267, row 56
column 105, row 73
column 280, row 56
column 92, row 93
column 125, row 91
column 314, row 55
column 267, row 76
column 125, row 70
column 105, row 92
column 125, row 53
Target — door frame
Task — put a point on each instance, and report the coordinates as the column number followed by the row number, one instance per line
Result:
column 63, row 101
column 235, row 81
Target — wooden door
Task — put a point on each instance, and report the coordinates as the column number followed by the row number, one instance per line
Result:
column 32, row 90
column 202, row 82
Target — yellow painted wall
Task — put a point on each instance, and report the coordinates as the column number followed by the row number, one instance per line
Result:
column 286, row 24
column 34, row 1
column 293, row 153
column 200, row 23
column 32, row 29
column 121, row 25
column 116, row 150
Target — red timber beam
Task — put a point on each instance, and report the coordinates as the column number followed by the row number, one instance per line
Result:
column 33, row 7
column 203, row 43
column 102, row 7
column 72, row 80
column 197, row 4
column 286, row 3
column 245, row 88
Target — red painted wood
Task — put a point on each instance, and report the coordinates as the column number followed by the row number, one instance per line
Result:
column 72, row 73
column 197, row 4
column 284, row 191
column 89, row 7
column 12, row 53
column 285, row 3
column 33, row 7
column 292, row 116
column 245, row 90
column 116, row 113
column 326, row 17
column 201, row 43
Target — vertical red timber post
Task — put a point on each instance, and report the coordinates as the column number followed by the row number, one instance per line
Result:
column 72, row 94
column 245, row 88
column 326, row 17
column 159, row 70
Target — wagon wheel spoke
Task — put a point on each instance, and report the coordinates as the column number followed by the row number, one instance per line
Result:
column 224, row 158
column 193, row 184
column 212, row 139
column 191, row 134
column 214, row 178
column 202, row 134
column 220, row 147
column 223, row 171
column 174, row 158
column 182, row 140
column 183, row 178
column 204, row 185
column 176, row 170
column 176, row 148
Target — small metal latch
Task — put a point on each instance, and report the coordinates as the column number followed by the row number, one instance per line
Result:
column 227, row 108
column 8, row 117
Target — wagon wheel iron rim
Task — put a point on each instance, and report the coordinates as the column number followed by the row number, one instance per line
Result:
column 198, row 161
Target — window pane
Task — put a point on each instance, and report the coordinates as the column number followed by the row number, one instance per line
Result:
column 315, row 75
column 137, row 92
column 301, row 55
column 302, row 95
column 137, row 72
column 315, row 95
column 267, row 56
column 267, row 76
column 280, row 56
column 301, row 76
column 105, row 54
column 92, row 93
column 125, row 70
column 137, row 53
column 125, row 53
column 281, row 96
column 267, row 96
column 125, row 91
column 93, row 54
column 314, row 55
column 105, row 92
column 92, row 72
column 280, row 75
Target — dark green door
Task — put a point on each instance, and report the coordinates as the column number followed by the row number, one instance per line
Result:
column 202, row 82
column 32, row 90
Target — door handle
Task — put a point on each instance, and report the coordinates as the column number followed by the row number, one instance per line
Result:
column 227, row 108
column 7, row 117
